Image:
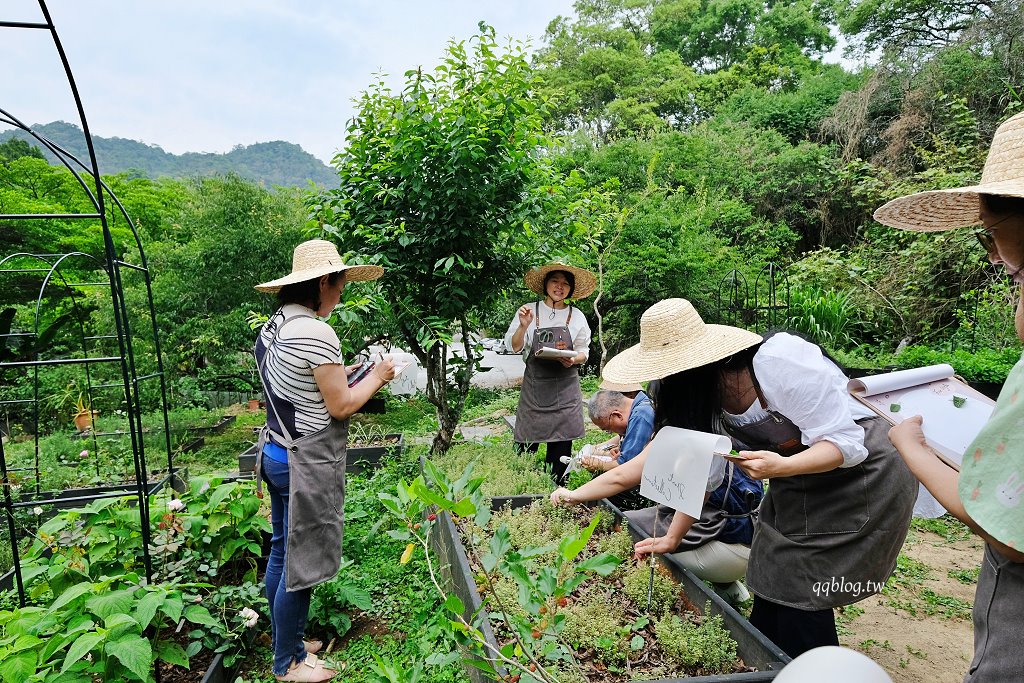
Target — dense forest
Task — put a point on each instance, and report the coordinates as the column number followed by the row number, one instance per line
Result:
column 273, row 163
column 679, row 147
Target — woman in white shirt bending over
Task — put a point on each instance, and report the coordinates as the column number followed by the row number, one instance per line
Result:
column 550, row 403
column 839, row 502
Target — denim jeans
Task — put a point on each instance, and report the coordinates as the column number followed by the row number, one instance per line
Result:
column 288, row 611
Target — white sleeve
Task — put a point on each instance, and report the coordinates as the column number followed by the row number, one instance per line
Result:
column 581, row 337
column 797, row 381
column 527, row 338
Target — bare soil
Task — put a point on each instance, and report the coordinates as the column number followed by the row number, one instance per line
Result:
column 919, row 629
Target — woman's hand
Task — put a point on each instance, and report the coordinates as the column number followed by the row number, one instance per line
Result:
column 762, row 464
column 563, row 496
column 525, row 316
column 661, row 546
column 385, row 369
column 568, row 362
column 908, row 434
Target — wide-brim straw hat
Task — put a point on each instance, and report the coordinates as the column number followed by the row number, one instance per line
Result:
column 673, row 338
column 316, row 258
column 586, row 282
column 621, row 387
column 960, row 207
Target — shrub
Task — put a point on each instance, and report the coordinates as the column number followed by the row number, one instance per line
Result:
column 707, row 645
column 664, row 592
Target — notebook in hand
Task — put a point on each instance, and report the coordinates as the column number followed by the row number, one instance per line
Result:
column 953, row 413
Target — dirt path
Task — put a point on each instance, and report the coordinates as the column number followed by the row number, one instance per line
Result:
column 919, row 629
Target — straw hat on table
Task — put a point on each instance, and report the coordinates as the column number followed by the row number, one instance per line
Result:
column 586, row 283
column 959, row 207
column 316, row 258
column 673, row 338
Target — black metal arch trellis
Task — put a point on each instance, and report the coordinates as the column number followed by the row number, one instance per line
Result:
column 92, row 353
column 761, row 307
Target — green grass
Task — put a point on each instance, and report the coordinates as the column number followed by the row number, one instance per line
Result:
column 965, row 576
column 948, row 527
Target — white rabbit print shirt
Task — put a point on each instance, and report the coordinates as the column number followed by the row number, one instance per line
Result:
column 992, row 473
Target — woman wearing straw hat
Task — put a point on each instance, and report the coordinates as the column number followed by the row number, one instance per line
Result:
column 839, row 503
column 986, row 493
column 550, row 403
column 301, row 449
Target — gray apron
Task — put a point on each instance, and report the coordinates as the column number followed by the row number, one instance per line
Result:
column 998, row 605
column 316, row 492
column 550, row 401
column 829, row 539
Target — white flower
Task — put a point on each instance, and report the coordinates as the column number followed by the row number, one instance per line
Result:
column 175, row 505
column 83, row 454
column 204, row 488
column 37, row 511
column 250, row 616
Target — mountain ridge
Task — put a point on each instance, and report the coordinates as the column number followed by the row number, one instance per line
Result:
column 274, row 163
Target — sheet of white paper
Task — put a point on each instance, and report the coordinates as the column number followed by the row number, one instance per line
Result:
column 677, row 468
column 901, row 379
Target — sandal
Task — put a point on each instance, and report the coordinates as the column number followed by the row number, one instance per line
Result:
column 312, row 646
column 309, row 670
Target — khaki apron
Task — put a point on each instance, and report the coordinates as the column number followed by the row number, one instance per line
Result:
column 998, row 605
column 550, row 401
column 316, row 492
column 829, row 539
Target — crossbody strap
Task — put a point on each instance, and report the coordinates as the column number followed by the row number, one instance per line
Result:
column 286, row 438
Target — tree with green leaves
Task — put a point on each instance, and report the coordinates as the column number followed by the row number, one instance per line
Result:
column 16, row 148
column 438, row 183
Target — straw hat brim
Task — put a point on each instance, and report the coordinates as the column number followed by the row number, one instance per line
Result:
column 621, row 387
column 586, row 282
column 637, row 364
column 352, row 274
column 938, row 210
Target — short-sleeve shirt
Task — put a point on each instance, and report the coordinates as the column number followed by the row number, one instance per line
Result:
column 306, row 343
column 639, row 428
column 992, row 472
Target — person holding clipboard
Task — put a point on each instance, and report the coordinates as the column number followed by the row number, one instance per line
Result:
column 302, row 448
column 554, row 338
column 987, row 494
column 839, row 501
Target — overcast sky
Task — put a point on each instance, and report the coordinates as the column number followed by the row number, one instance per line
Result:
column 206, row 75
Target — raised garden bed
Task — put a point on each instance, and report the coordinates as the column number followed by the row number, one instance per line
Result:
column 752, row 647
column 360, row 457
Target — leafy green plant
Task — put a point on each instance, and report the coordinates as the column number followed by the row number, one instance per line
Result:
column 96, row 630
column 663, row 592
column 332, row 601
column 826, row 316
column 707, row 645
column 542, row 590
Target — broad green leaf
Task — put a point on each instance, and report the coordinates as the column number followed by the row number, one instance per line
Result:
column 172, row 653
column 197, row 614
column 114, row 602
column 454, row 604
column 80, row 648
column 604, row 564
column 16, row 668
column 135, row 653
column 147, row 607
column 574, row 545
column 70, row 595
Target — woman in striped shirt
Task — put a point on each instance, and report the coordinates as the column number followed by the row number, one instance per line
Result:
column 302, row 448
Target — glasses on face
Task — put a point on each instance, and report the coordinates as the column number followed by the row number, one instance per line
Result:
column 987, row 241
